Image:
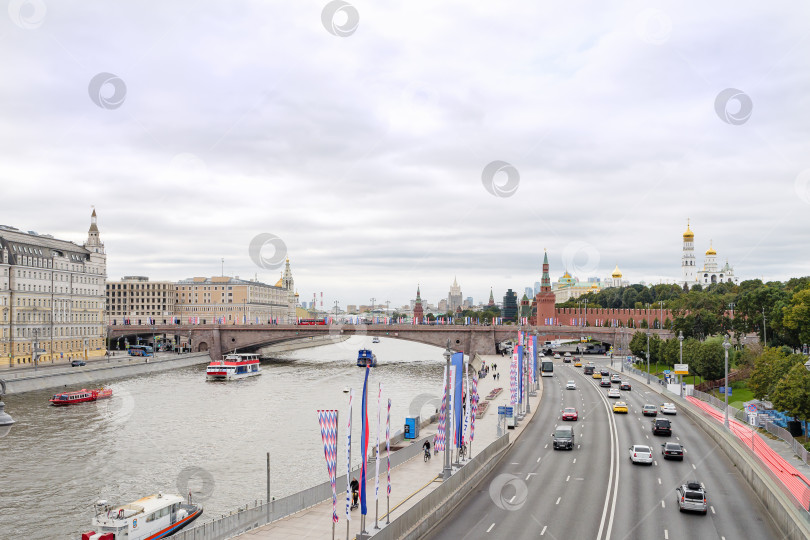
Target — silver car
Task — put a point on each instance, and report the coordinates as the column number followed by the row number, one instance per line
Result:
column 640, row 453
column 692, row 497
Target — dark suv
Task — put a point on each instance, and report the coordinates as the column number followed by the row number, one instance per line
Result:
column 661, row 426
column 563, row 438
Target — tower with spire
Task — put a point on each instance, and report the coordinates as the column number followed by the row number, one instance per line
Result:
column 491, row 298
column 418, row 311
column 688, row 266
column 288, row 284
column 545, row 300
column 711, row 271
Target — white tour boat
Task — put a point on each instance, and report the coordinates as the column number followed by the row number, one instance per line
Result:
column 234, row 366
column 155, row 516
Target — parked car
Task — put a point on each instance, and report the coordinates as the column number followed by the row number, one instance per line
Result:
column 563, row 438
column 640, row 453
column 692, row 497
column 668, row 408
column 625, row 386
column 649, row 410
column 672, row 450
column 661, row 426
column 570, row 413
column 76, row 363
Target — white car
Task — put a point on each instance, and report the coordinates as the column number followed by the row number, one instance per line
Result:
column 668, row 408
column 614, row 393
column 640, row 453
column 557, row 356
column 570, row 385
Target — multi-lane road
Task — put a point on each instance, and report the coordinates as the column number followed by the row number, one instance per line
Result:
column 594, row 491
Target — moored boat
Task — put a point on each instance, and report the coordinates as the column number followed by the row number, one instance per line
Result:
column 366, row 358
column 233, row 366
column 80, row 396
column 152, row 517
column 375, row 339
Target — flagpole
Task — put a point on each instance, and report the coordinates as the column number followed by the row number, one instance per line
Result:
column 334, row 477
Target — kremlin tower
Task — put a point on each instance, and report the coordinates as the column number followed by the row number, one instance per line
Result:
column 545, row 299
column 418, row 312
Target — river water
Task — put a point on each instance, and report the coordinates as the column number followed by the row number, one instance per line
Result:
column 175, row 432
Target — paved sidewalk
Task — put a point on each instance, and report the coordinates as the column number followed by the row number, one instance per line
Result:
column 410, row 482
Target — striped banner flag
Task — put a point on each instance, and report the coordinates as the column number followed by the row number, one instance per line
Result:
column 388, row 444
column 329, row 431
column 513, row 379
column 440, row 430
column 474, row 406
column 377, row 461
column 349, row 459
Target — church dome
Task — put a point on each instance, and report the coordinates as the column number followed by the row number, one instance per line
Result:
column 617, row 274
column 711, row 250
column 688, row 235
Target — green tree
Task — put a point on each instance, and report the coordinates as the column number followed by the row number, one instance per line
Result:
column 797, row 315
column 769, row 368
column 792, row 393
column 710, row 360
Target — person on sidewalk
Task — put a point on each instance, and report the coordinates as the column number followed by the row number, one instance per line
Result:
column 355, row 485
column 426, row 448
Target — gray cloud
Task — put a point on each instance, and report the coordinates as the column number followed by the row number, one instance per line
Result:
column 364, row 154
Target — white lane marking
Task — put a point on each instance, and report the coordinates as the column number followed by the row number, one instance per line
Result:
column 558, row 500
column 575, row 460
column 514, row 463
column 712, row 507
column 666, row 535
column 490, row 527
column 546, row 446
column 530, row 475
column 662, row 504
column 513, row 498
column 655, row 462
column 647, row 436
column 546, row 526
column 538, row 459
column 677, row 438
column 579, row 446
column 659, row 481
column 693, row 466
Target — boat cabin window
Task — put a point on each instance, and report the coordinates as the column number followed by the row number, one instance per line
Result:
column 158, row 514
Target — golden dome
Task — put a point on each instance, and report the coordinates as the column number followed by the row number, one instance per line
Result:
column 688, row 235
column 711, row 250
column 617, row 274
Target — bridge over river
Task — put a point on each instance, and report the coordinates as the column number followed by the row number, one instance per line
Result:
column 471, row 339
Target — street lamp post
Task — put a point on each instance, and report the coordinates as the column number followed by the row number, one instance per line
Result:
column 680, row 345
column 726, row 346
column 648, row 356
column 448, row 469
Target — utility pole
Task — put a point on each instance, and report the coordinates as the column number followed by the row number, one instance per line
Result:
column 336, row 309
column 447, row 472
column 764, row 330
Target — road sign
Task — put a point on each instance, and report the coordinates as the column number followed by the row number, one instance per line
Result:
column 728, row 390
column 629, row 358
column 681, row 369
column 667, row 372
column 501, row 409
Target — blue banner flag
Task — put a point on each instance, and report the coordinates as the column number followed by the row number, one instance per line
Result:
column 520, row 373
column 364, row 443
column 457, row 362
column 534, row 355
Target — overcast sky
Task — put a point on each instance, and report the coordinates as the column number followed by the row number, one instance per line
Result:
column 360, row 136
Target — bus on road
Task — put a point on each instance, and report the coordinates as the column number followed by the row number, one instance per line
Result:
column 141, row 350
column 547, row 368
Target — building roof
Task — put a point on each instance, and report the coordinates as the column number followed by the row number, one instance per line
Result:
column 221, row 280
column 688, row 235
column 21, row 243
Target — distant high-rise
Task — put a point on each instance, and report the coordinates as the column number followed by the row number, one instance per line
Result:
column 454, row 297
column 509, row 310
column 536, row 288
column 529, row 292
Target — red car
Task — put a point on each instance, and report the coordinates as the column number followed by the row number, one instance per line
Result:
column 570, row 413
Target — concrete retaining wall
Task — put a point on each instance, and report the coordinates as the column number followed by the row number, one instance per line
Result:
column 427, row 513
column 303, row 343
column 94, row 372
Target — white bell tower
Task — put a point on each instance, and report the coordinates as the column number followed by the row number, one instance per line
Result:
column 688, row 267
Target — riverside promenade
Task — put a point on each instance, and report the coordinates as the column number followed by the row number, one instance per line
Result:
column 410, row 482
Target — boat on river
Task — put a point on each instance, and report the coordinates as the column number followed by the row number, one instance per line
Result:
column 80, row 396
column 152, row 517
column 366, row 358
column 375, row 339
column 234, row 366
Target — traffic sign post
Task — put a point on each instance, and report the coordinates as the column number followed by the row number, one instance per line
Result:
column 681, row 369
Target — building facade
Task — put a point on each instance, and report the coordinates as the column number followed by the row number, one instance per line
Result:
column 454, row 297
column 230, row 300
column 135, row 300
column 51, row 297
